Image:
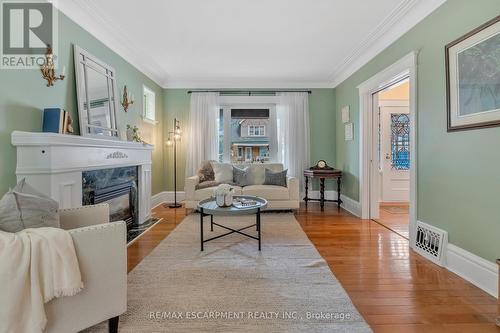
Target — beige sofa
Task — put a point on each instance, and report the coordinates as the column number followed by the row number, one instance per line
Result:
column 101, row 248
column 278, row 197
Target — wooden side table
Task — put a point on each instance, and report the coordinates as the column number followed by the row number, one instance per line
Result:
column 323, row 175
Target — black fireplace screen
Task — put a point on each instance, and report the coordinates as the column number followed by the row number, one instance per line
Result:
column 117, row 187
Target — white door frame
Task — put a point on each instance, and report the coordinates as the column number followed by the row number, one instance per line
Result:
column 405, row 67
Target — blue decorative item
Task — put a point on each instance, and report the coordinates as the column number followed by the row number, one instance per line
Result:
column 400, row 141
column 53, row 120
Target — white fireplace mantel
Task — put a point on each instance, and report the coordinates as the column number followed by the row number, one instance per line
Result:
column 53, row 164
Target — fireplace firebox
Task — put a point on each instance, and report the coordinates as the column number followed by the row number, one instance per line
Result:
column 116, row 187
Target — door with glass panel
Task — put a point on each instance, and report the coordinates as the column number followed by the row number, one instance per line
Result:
column 395, row 151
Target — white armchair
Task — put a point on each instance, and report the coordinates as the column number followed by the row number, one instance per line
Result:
column 101, row 248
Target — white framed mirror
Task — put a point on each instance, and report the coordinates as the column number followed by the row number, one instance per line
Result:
column 97, row 96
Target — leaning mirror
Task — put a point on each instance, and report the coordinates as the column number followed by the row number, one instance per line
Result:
column 96, row 93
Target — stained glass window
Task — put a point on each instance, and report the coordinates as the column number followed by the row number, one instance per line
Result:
column 400, row 141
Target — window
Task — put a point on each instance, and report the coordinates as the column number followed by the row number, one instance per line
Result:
column 244, row 134
column 149, row 110
column 256, row 130
column 400, row 141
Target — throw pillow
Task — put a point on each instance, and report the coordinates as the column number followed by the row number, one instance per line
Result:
column 24, row 207
column 241, row 176
column 206, row 172
column 223, row 172
column 275, row 178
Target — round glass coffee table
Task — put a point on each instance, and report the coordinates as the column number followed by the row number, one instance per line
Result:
column 208, row 207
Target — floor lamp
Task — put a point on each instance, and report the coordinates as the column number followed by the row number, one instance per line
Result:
column 176, row 136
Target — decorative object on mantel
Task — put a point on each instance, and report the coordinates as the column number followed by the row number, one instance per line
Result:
column 173, row 137
column 48, row 69
column 126, row 100
column 345, row 114
column 56, row 120
column 133, row 134
column 472, row 77
column 349, row 132
column 322, row 171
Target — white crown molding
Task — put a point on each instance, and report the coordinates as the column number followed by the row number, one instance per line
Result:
column 245, row 83
column 399, row 21
column 83, row 13
column 404, row 17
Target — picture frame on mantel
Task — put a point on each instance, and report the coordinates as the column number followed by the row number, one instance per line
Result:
column 473, row 78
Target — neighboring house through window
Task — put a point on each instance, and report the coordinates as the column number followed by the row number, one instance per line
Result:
column 256, row 130
column 244, row 134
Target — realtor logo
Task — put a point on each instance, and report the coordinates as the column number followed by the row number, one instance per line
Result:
column 27, row 29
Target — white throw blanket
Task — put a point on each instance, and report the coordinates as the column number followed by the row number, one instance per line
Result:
column 36, row 265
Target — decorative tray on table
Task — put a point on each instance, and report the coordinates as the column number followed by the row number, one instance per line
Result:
column 245, row 203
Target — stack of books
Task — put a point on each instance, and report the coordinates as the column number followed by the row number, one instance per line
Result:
column 56, row 120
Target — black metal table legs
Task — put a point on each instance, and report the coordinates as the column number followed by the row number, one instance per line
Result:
column 202, row 215
column 257, row 226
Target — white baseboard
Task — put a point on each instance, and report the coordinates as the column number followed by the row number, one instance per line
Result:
column 352, row 206
column 166, row 197
column 478, row 271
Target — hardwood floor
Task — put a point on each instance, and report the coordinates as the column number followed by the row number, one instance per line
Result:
column 394, row 289
column 395, row 217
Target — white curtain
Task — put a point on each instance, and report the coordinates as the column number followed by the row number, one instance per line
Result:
column 202, row 137
column 292, row 113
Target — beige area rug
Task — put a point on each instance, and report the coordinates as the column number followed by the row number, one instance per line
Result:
column 232, row 287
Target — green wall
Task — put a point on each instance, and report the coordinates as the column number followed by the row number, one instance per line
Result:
column 322, row 122
column 458, row 178
column 23, row 95
column 176, row 105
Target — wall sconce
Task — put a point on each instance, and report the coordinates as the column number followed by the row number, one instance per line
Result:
column 126, row 101
column 48, row 70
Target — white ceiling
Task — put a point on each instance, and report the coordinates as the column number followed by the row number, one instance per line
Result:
column 245, row 44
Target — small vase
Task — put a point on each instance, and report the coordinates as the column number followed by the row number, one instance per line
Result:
column 228, row 199
column 223, row 200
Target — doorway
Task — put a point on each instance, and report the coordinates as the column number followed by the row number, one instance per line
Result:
column 381, row 150
column 393, row 147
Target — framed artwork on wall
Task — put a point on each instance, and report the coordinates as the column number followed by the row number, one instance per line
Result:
column 348, row 132
column 473, row 78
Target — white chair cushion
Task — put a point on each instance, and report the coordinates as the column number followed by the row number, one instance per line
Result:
column 268, row 192
column 205, row 193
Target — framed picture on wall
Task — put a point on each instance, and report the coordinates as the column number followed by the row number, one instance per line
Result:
column 473, row 78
